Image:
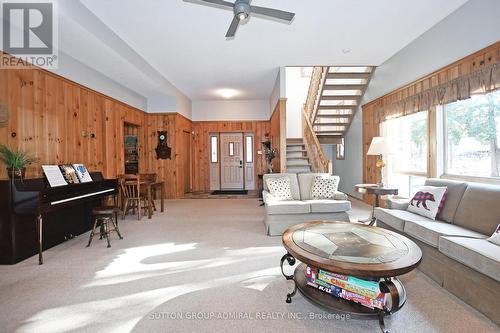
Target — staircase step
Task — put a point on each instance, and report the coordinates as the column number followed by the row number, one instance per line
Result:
column 340, row 98
column 295, row 148
column 329, row 133
column 298, row 163
column 299, row 169
column 302, row 157
column 360, row 86
column 348, row 75
column 337, row 107
column 333, row 116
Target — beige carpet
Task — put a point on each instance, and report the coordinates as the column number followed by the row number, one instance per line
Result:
column 203, row 266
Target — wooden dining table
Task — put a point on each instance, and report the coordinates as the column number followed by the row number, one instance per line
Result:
column 150, row 186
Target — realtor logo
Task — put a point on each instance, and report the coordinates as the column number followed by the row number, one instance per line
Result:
column 29, row 34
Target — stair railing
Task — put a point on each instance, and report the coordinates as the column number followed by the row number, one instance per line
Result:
column 318, row 79
column 319, row 162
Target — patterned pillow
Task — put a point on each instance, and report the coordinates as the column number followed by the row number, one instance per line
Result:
column 324, row 187
column 428, row 201
column 280, row 188
column 495, row 238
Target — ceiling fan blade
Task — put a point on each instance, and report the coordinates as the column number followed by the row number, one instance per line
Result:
column 233, row 27
column 219, row 2
column 279, row 14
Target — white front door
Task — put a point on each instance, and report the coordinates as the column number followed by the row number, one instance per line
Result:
column 231, row 161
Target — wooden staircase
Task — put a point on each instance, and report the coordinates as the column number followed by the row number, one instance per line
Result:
column 333, row 97
column 297, row 159
column 337, row 92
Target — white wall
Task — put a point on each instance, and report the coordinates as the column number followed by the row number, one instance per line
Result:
column 78, row 72
column 297, row 88
column 470, row 28
column 115, row 64
column 279, row 89
column 217, row 110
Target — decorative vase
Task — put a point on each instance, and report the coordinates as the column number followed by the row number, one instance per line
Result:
column 270, row 167
column 16, row 173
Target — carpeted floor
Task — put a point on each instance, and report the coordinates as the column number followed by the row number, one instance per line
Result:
column 203, row 266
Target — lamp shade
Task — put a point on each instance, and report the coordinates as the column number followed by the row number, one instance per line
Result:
column 379, row 146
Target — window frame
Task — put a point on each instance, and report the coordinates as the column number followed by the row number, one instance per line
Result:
column 443, row 140
column 340, row 156
column 212, row 149
column 383, row 130
column 251, row 151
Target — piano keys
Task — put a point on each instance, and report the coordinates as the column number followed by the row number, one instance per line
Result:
column 36, row 217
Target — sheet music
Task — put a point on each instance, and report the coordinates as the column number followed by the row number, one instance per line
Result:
column 82, row 173
column 54, row 175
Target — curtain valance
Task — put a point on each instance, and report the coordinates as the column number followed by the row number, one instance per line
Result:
column 482, row 81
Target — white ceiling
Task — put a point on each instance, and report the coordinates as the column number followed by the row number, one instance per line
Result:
column 185, row 42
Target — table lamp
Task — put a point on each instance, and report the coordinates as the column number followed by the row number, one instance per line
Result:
column 378, row 147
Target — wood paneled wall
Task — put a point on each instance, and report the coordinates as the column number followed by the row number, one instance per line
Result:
column 201, row 149
column 60, row 121
column 278, row 134
column 171, row 171
column 371, row 120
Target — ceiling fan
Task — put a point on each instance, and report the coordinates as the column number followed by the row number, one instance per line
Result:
column 242, row 10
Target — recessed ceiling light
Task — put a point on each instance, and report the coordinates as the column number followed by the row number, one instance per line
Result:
column 227, row 93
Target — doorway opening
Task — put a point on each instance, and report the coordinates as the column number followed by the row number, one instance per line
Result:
column 131, row 144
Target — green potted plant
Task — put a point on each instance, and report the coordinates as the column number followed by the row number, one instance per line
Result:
column 16, row 161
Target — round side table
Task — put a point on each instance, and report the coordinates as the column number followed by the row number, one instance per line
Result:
column 378, row 191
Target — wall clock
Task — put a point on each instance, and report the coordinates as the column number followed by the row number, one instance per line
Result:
column 163, row 151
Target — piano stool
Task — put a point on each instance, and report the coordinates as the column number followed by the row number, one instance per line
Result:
column 103, row 217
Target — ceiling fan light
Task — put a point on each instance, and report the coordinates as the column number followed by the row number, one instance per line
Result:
column 242, row 16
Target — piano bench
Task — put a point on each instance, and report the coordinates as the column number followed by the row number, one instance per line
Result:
column 105, row 218
column 105, row 210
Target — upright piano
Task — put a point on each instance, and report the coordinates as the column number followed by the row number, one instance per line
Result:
column 35, row 217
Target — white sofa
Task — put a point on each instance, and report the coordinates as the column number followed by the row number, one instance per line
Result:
column 280, row 215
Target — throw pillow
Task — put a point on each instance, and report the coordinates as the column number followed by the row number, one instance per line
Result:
column 428, row 201
column 495, row 238
column 280, row 188
column 324, row 187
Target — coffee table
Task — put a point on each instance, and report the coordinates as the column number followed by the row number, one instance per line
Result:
column 363, row 251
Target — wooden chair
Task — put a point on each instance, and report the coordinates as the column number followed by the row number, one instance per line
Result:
column 150, row 178
column 132, row 195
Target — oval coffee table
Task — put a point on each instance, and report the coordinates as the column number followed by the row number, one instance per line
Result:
column 366, row 252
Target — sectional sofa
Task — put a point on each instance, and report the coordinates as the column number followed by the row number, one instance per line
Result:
column 280, row 215
column 455, row 251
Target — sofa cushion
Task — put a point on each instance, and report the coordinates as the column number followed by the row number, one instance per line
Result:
column 280, row 188
column 495, row 238
column 294, row 184
column 287, row 207
column 479, row 209
column 453, row 196
column 478, row 254
column 306, row 181
column 396, row 218
column 430, row 231
column 329, row 206
column 324, row 187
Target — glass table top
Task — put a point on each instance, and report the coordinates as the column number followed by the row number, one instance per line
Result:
column 351, row 243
